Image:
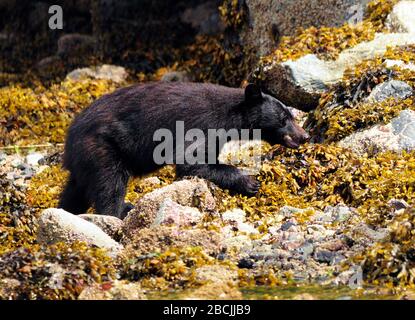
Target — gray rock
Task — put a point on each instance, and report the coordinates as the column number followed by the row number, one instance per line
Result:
column 57, row 225
column 324, row 256
column 193, row 193
column 390, row 89
column 106, row 72
column 402, row 17
column 109, row 224
column 404, row 126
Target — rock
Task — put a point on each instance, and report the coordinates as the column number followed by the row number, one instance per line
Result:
column 236, row 215
column 161, row 238
column 171, row 212
column 239, row 243
column 300, row 83
column 75, row 44
column 398, row 204
column 402, row 17
column 324, row 256
column 390, row 89
column 288, row 212
column 176, row 76
column 339, row 213
column 404, row 127
column 49, row 64
column 106, row 72
column 363, row 232
column 57, row 225
column 287, row 225
column 396, row 136
column 32, row 159
column 189, row 193
column 304, row 296
column 246, row 228
column 215, row 274
column 204, row 18
column 400, row 64
column 246, row 263
column 8, row 287
column 112, row 226
column 152, row 182
column 214, row 291
column 267, row 20
column 117, row 290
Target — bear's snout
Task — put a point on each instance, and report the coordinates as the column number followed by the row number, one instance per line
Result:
column 294, row 135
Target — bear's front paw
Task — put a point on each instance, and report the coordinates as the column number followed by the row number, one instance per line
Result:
column 249, row 186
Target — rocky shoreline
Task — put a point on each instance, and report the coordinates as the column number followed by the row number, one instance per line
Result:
column 336, row 213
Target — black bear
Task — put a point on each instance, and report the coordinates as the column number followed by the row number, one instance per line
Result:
column 113, row 138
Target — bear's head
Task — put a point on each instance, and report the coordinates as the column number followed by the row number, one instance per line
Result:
column 275, row 120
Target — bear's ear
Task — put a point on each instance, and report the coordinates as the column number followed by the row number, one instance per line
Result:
column 253, row 93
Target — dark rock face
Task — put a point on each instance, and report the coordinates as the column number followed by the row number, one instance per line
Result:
column 140, row 35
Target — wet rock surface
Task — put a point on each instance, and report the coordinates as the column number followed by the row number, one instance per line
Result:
column 57, row 225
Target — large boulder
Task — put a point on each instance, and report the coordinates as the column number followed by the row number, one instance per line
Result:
column 268, row 19
column 300, row 83
column 149, row 209
column 57, row 225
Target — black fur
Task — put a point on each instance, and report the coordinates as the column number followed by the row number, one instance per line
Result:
column 112, row 139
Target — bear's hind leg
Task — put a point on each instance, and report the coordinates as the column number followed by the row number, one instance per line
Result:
column 73, row 198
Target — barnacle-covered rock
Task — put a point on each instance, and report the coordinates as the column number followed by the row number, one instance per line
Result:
column 193, row 193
